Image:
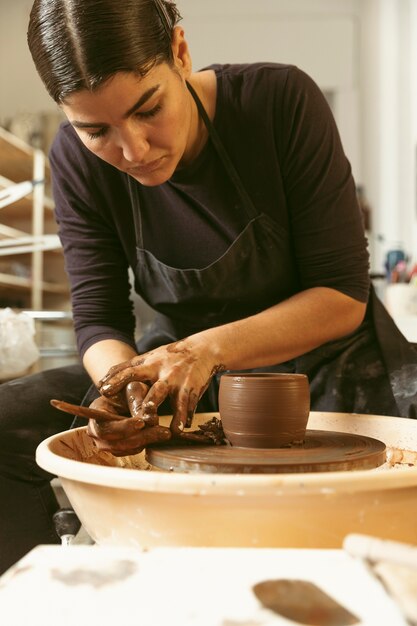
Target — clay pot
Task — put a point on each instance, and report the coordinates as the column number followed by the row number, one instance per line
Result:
column 264, row 410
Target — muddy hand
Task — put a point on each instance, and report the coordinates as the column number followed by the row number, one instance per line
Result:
column 179, row 371
column 116, row 423
column 128, row 402
column 122, row 439
column 131, row 434
column 132, row 441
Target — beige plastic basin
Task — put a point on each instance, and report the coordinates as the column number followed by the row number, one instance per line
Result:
column 120, row 502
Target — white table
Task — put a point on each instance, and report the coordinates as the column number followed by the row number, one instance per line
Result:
column 88, row 585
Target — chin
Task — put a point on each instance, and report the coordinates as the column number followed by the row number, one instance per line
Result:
column 155, row 178
column 148, row 181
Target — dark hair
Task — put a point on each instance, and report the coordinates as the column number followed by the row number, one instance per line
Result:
column 79, row 44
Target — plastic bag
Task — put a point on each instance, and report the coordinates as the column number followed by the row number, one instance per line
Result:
column 18, row 350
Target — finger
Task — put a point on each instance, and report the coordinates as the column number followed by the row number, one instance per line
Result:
column 136, row 443
column 114, row 431
column 118, row 369
column 135, row 393
column 114, row 384
column 115, row 369
column 111, row 406
column 180, row 414
column 192, row 405
column 116, row 403
column 176, row 425
column 156, row 395
column 110, row 446
column 191, row 436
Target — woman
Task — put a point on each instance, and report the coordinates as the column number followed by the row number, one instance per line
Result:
column 228, row 194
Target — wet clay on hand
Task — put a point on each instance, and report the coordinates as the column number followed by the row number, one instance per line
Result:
column 180, row 371
column 209, row 433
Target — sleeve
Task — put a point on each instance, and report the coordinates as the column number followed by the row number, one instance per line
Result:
column 95, row 260
column 326, row 223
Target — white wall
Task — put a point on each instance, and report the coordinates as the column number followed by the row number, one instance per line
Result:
column 388, row 121
column 320, row 36
column 22, row 90
column 363, row 50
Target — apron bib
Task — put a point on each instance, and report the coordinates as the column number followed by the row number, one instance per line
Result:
column 254, row 273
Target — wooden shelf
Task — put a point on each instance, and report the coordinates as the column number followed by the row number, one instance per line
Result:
column 16, row 158
column 36, row 278
column 22, row 208
column 9, row 231
column 19, row 282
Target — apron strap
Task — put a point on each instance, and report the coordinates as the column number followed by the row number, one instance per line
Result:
column 248, row 205
column 224, row 157
column 137, row 221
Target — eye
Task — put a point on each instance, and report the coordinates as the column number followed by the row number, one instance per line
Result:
column 97, row 134
column 150, row 113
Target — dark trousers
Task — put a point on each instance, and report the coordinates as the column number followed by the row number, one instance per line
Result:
column 27, row 418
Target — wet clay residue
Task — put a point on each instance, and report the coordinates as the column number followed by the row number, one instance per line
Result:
column 398, row 457
column 302, row 602
column 213, row 431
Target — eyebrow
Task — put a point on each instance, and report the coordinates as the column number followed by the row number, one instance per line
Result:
column 140, row 102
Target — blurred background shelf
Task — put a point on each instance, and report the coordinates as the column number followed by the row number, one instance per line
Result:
column 10, row 281
column 32, row 273
column 32, row 276
column 56, row 339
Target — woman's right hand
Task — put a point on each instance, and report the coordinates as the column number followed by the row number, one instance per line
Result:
column 123, row 437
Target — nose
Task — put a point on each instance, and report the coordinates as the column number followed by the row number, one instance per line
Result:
column 134, row 144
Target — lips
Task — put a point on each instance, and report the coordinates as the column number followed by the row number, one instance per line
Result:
column 146, row 168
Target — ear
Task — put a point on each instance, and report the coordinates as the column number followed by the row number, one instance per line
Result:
column 181, row 53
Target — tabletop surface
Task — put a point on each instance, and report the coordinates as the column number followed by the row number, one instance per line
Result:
column 179, row 586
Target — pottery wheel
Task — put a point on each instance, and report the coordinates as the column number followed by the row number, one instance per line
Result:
column 322, row 451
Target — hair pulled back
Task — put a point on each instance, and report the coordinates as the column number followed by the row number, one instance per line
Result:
column 79, row 44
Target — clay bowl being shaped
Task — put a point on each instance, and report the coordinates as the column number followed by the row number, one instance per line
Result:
column 264, row 410
column 124, row 501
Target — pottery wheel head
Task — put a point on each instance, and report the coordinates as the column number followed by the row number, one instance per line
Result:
column 322, row 451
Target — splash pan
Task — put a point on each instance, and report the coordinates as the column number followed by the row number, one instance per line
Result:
column 126, row 501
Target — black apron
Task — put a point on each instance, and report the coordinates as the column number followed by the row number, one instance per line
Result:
column 351, row 374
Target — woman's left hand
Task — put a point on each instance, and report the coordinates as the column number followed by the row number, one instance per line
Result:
column 127, row 436
column 179, row 371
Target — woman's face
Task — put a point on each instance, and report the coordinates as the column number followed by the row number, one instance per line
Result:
column 143, row 126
